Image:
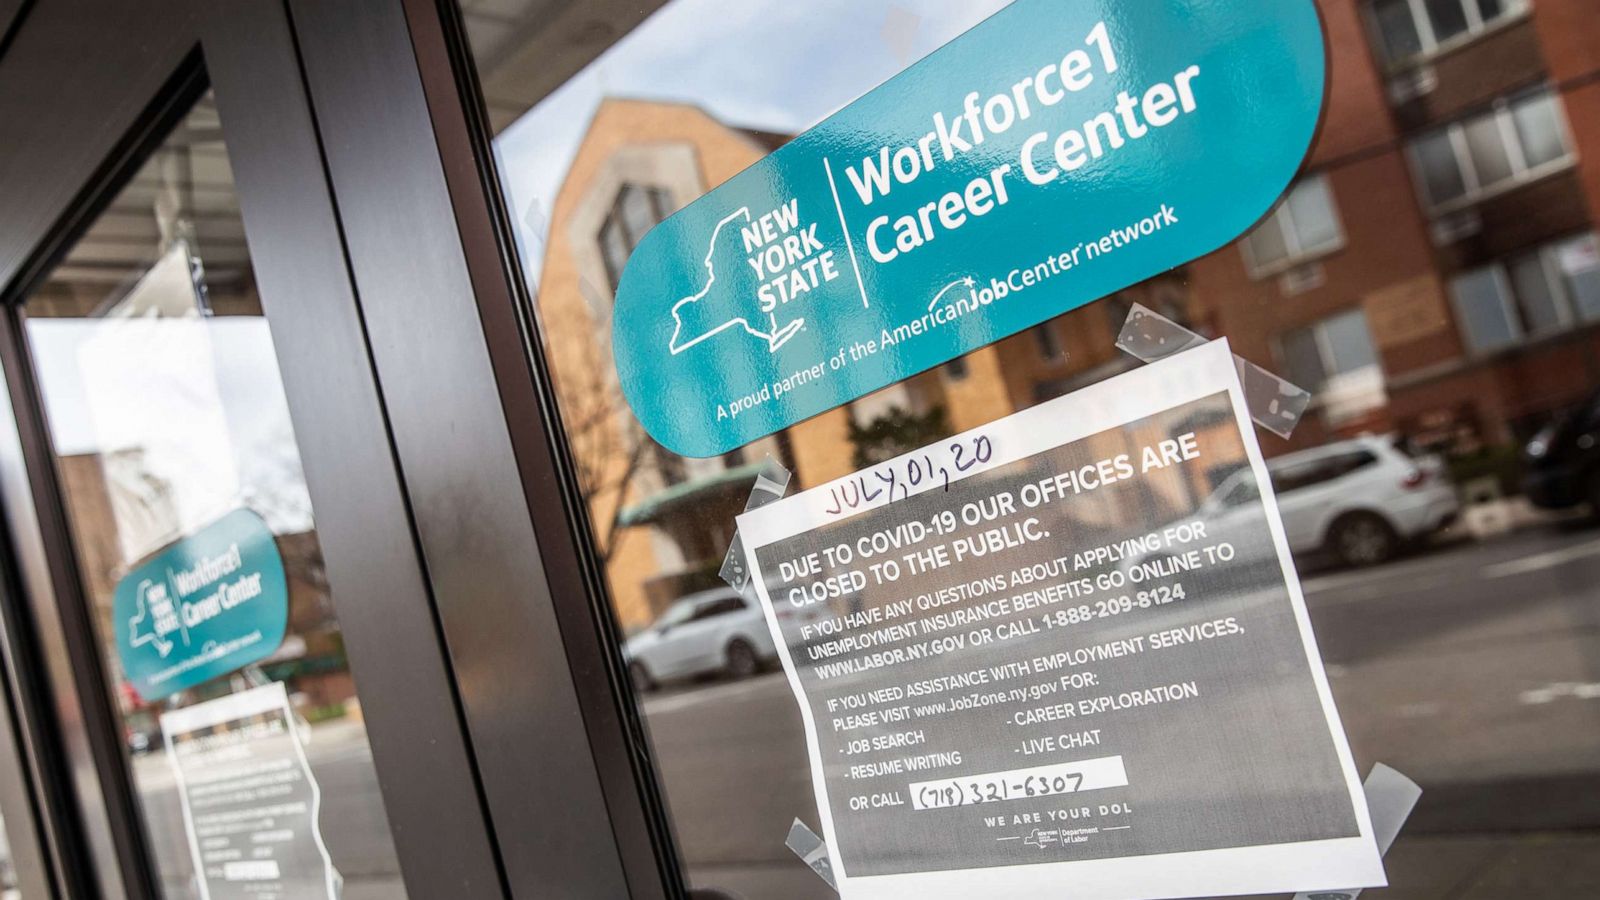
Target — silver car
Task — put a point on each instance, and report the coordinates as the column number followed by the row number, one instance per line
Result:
column 1362, row 499
column 712, row 632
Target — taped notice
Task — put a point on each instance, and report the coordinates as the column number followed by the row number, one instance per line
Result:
column 250, row 802
column 1049, row 660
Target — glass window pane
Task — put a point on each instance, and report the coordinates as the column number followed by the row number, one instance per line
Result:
column 1473, row 696
column 1492, row 10
column 1316, row 223
column 1302, row 358
column 1449, row 18
column 1578, row 261
column 638, row 213
column 1483, row 310
column 1398, row 29
column 662, row 203
column 1268, row 245
column 1441, row 175
column 614, row 249
column 1044, row 335
column 176, row 454
column 1538, row 121
column 1349, row 343
column 1535, row 297
column 1487, row 144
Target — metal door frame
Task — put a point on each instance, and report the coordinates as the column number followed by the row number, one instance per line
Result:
column 518, row 587
column 479, row 736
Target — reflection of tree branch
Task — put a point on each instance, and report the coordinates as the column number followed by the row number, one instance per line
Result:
column 609, row 447
column 635, row 461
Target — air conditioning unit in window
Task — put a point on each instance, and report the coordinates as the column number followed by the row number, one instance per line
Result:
column 1410, row 85
column 1446, row 230
column 1302, row 278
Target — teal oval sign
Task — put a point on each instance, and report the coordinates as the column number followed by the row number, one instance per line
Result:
column 204, row 606
column 1054, row 154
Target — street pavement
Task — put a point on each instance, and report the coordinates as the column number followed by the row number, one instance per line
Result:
column 1473, row 668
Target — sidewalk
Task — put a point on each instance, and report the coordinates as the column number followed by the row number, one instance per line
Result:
column 1534, row 866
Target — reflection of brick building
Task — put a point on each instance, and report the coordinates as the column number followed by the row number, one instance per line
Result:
column 1434, row 269
column 639, row 162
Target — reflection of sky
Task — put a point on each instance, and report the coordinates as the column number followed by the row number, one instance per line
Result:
column 773, row 65
column 103, row 392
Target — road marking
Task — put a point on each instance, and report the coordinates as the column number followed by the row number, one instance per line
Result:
column 1423, row 710
column 1540, row 561
column 1553, row 692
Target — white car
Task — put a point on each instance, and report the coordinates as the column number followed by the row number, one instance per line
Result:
column 1361, row 499
column 707, row 633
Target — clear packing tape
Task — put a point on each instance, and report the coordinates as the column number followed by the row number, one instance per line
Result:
column 1390, row 799
column 812, row 850
column 1274, row 404
column 771, row 483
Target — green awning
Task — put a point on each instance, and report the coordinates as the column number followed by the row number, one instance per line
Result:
column 651, row 509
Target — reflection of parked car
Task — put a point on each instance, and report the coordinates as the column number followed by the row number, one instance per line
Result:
column 139, row 740
column 1563, row 460
column 713, row 631
column 1361, row 499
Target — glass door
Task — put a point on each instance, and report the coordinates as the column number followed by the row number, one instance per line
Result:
column 197, row 543
column 1428, row 278
column 238, row 638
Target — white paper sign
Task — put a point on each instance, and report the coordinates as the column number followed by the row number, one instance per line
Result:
column 250, row 801
column 1065, row 655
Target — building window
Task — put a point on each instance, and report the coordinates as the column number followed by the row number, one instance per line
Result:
column 1304, row 226
column 1407, row 29
column 1044, row 334
column 1515, row 141
column 636, row 210
column 1320, row 354
column 1552, row 289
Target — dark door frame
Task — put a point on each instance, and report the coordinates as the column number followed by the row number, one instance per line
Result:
column 521, row 597
column 509, row 757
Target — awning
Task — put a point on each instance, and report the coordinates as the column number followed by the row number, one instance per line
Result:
column 729, row 482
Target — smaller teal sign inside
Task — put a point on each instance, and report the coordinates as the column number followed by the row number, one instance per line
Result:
column 1054, row 154
column 203, row 607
